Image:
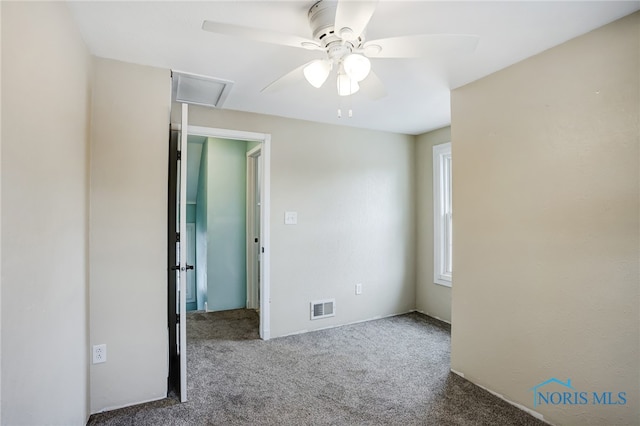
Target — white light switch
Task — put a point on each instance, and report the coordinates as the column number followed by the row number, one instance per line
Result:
column 290, row 218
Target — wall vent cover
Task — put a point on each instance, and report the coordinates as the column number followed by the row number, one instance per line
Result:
column 323, row 309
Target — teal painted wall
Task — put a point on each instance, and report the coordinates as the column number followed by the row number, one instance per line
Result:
column 191, row 213
column 201, row 231
column 251, row 145
column 226, row 210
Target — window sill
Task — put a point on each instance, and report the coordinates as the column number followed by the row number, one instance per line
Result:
column 442, row 282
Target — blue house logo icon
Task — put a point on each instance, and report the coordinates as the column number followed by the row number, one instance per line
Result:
column 545, row 397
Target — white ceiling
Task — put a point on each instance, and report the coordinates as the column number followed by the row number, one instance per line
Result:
column 169, row 35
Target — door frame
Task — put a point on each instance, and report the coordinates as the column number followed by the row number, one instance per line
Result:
column 254, row 157
column 265, row 192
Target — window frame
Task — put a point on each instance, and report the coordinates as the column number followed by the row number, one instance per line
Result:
column 442, row 215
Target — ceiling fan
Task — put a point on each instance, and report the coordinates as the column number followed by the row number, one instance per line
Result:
column 338, row 29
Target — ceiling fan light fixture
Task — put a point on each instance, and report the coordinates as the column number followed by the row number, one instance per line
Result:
column 357, row 66
column 317, row 72
column 346, row 85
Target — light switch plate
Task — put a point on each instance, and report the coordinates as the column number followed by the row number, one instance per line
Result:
column 290, row 218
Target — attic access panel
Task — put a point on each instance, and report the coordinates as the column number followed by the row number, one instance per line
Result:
column 199, row 89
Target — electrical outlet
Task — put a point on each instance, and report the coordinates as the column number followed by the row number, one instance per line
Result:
column 99, row 353
column 359, row 288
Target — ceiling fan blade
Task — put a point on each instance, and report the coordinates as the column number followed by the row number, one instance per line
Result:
column 288, row 79
column 418, row 46
column 372, row 87
column 353, row 15
column 256, row 34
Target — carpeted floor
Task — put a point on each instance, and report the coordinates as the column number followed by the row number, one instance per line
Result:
column 392, row 371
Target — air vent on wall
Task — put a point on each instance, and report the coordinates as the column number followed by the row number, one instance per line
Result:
column 199, row 89
column 323, row 309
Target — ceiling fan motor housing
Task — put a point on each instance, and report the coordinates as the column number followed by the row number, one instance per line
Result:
column 322, row 16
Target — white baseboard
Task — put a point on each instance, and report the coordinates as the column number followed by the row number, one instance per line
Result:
column 377, row 317
column 116, row 407
column 432, row 316
column 515, row 404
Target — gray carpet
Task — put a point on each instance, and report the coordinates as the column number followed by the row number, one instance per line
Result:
column 392, row 371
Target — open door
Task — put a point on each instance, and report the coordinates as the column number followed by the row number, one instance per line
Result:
column 177, row 260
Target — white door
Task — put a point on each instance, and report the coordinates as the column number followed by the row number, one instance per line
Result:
column 184, row 243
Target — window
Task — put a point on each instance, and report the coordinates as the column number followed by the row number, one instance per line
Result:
column 442, row 218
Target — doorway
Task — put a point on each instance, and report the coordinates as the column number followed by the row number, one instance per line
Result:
column 223, row 209
column 258, row 185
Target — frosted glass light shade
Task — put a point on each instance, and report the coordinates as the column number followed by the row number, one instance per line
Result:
column 347, row 86
column 357, row 66
column 317, row 72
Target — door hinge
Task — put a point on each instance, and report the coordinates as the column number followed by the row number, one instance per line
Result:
column 177, row 237
column 179, row 155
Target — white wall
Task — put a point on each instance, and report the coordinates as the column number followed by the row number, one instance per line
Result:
column 45, row 109
column 431, row 299
column 546, row 228
column 354, row 193
column 128, row 261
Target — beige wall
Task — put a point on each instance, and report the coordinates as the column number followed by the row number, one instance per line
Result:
column 354, row 193
column 546, row 242
column 128, row 257
column 45, row 107
column 431, row 299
